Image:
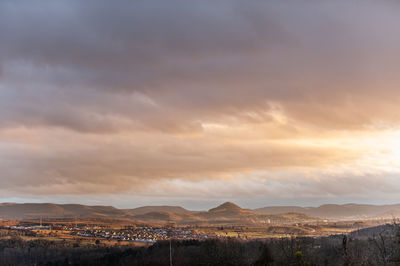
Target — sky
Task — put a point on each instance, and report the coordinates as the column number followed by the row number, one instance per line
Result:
column 194, row 103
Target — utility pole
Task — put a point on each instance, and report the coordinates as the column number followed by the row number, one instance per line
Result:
column 170, row 242
column 170, row 252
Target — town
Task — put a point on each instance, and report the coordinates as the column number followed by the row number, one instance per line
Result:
column 138, row 234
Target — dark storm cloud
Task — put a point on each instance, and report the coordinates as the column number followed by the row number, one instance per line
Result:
column 207, row 59
column 133, row 46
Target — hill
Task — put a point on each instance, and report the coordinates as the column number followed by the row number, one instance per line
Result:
column 147, row 209
column 36, row 210
column 226, row 213
column 375, row 231
column 227, row 207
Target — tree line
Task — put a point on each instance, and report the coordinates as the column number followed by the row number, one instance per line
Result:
column 383, row 248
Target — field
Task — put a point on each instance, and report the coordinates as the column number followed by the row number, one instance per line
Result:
column 110, row 232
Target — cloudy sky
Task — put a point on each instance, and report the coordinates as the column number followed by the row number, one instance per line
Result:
column 192, row 103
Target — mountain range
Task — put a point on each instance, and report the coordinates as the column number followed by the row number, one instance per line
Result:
column 227, row 213
column 335, row 211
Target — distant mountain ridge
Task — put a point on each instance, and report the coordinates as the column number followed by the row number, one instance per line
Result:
column 51, row 210
column 227, row 212
column 336, row 211
column 165, row 208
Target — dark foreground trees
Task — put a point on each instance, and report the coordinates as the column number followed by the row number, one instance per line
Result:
column 380, row 249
